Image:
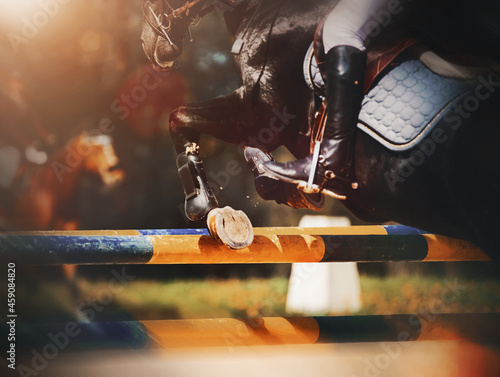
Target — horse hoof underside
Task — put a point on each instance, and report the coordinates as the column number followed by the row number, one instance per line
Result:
column 232, row 228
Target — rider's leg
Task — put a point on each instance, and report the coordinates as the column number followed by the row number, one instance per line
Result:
column 352, row 21
column 345, row 31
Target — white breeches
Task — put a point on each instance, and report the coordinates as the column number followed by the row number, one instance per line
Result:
column 352, row 21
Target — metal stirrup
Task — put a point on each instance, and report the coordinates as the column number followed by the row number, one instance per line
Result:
column 314, row 164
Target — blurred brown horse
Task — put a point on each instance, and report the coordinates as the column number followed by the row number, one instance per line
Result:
column 49, row 197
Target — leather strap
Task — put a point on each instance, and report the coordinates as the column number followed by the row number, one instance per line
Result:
column 319, row 50
column 378, row 62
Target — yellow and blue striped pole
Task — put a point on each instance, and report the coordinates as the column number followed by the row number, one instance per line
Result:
column 259, row 331
column 271, row 245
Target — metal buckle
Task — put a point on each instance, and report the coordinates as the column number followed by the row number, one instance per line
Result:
column 193, row 148
column 159, row 28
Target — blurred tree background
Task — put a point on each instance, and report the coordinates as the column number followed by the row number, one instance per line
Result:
column 69, row 66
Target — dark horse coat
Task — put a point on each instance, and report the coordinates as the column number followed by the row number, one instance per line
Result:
column 446, row 182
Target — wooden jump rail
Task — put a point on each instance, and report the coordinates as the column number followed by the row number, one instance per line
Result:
column 260, row 331
column 271, row 245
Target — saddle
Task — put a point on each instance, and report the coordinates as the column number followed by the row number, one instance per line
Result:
column 407, row 88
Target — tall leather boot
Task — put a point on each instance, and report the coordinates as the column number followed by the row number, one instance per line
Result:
column 333, row 172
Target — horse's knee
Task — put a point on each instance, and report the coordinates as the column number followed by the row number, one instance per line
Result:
column 178, row 119
column 181, row 132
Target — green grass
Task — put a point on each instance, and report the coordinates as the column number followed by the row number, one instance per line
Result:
column 199, row 299
column 265, row 297
column 428, row 294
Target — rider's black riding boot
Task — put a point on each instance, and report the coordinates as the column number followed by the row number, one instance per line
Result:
column 345, row 70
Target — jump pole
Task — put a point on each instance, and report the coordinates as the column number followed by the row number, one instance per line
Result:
column 259, row 331
column 271, row 245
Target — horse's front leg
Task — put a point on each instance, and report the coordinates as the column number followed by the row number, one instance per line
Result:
column 218, row 118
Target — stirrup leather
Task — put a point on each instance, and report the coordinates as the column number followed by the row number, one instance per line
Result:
column 317, row 135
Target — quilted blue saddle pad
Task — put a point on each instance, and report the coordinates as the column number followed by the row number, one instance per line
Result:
column 405, row 104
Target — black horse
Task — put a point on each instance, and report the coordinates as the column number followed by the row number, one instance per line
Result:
column 444, row 178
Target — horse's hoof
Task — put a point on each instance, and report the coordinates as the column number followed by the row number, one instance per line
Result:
column 231, row 227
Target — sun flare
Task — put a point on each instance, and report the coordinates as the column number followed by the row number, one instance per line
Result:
column 19, row 8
